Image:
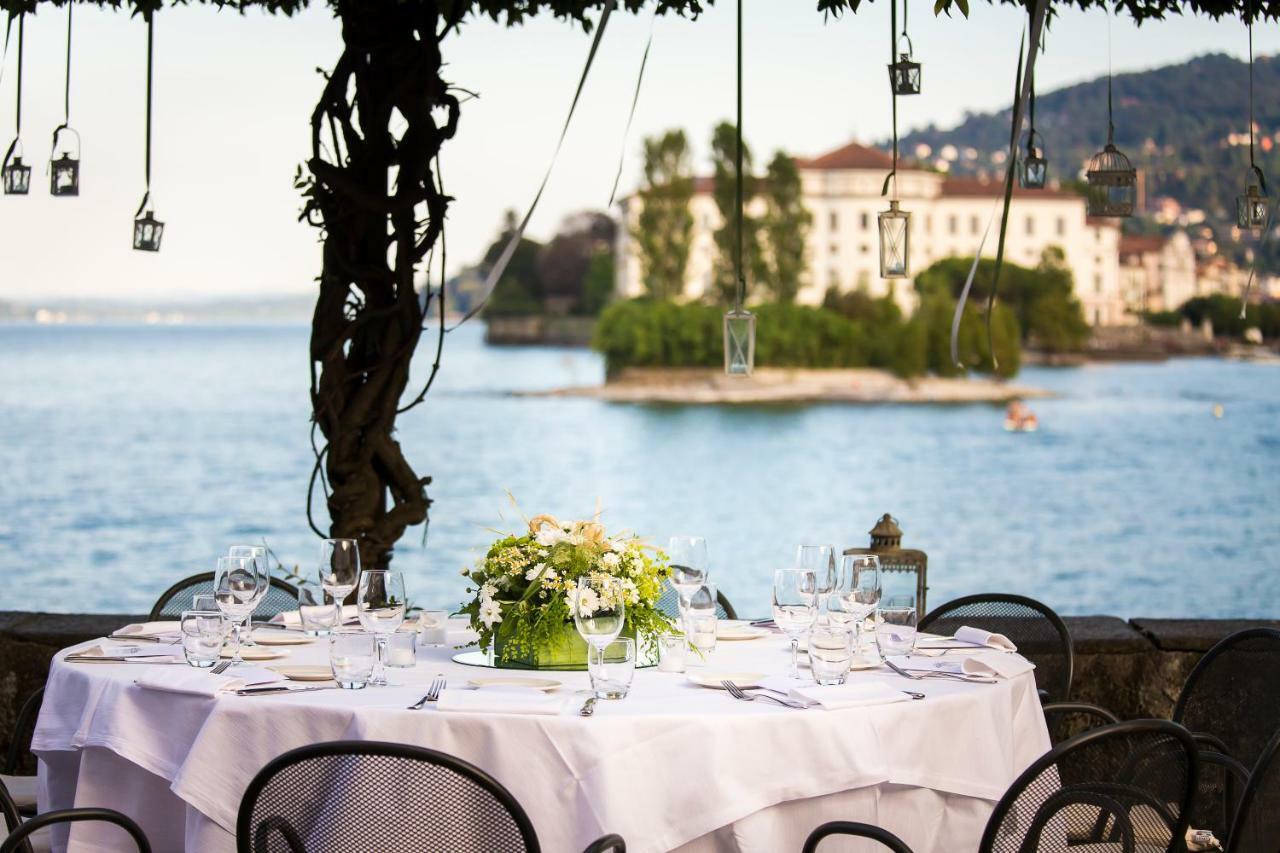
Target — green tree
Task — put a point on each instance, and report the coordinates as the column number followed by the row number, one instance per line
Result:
column 598, row 288
column 724, row 188
column 786, row 229
column 519, row 292
column 664, row 228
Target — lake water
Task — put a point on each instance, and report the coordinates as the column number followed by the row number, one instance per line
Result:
column 132, row 456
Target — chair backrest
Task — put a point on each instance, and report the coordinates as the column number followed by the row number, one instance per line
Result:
column 388, row 797
column 12, row 819
column 1040, row 634
column 282, row 596
column 859, row 830
column 1257, row 825
column 1130, row 783
column 24, row 726
column 17, row 841
column 669, row 604
column 1230, row 695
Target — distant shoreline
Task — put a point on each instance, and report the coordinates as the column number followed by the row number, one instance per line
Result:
column 700, row 386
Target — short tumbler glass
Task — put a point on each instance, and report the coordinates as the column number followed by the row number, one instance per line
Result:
column 896, row 630
column 611, row 668
column 318, row 613
column 830, row 653
column 402, row 650
column 203, row 632
column 673, row 653
column 351, row 657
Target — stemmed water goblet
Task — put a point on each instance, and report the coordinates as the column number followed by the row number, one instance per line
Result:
column 687, row 556
column 339, row 567
column 599, row 613
column 821, row 560
column 380, row 602
column 854, row 598
column 237, row 586
column 257, row 553
column 794, row 607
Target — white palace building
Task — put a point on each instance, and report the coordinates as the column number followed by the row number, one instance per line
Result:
column 948, row 217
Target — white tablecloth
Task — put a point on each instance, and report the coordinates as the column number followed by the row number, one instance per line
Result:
column 672, row 766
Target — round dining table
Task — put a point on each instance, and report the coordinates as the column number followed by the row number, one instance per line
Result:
column 673, row 766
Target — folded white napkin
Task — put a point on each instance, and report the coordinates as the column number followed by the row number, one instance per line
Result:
column 202, row 682
column 502, row 701
column 988, row 663
column 979, row 637
column 108, row 652
column 852, row 695
column 151, row 631
column 291, row 618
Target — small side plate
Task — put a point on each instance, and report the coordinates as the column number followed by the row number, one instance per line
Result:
column 543, row 684
column 714, row 679
column 280, row 638
column 300, row 672
column 255, row 653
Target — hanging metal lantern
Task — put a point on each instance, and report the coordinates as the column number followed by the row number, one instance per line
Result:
column 1033, row 173
column 1253, row 209
column 904, row 75
column 64, row 170
column 1112, row 182
column 895, row 232
column 17, row 175
column 147, row 232
column 739, row 342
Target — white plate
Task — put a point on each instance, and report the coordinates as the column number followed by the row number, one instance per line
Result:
column 255, row 653
column 714, row 679
column 544, row 684
column 304, row 673
column 865, row 662
column 270, row 637
column 740, row 632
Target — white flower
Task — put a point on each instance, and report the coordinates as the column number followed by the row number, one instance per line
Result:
column 550, row 575
column 533, row 573
column 487, row 592
column 587, row 601
column 611, row 559
column 548, row 536
column 490, row 613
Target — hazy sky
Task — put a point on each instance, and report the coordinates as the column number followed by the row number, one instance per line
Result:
column 234, row 94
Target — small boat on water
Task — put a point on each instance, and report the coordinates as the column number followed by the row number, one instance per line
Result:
column 1019, row 418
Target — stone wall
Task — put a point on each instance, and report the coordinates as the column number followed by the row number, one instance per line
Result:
column 1133, row 667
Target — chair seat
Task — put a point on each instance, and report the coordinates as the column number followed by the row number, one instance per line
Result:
column 23, row 791
column 41, row 840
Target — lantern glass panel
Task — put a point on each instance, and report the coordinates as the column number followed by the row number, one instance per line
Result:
column 17, row 178
column 1252, row 210
column 1035, row 171
column 739, row 342
column 147, row 232
column 904, row 76
column 64, row 179
column 895, row 232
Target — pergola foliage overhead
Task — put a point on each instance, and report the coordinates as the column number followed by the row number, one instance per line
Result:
column 371, row 185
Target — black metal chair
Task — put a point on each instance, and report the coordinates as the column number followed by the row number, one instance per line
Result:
column 1229, row 699
column 669, row 604
column 1129, row 784
column 16, row 773
column 860, row 830
column 281, row 597
column 32, row 836
column 390, row 797
column 1256, row 828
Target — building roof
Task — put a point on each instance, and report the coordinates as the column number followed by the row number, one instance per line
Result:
column 977, row 188
column 1140, row 244
column 851, row 156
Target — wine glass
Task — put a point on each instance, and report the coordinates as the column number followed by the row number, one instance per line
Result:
column 688, row 558
column 794, row 607
column 701, row 618
column 599, row 612
column 856, row 594
column 380, row 603
column 258, row 553
column 236, row 586
column 339, row 567
column 821, row 560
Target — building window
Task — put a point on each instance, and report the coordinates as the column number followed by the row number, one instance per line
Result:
column 834, row 221
column 975, row 224
column 865, row 220
column 834, row 248
column 1097, row 283
column 1062, row 226
column 864, row 248
column 952, row 224
column 833, row 279
column 1031, row 226
column 928, row 224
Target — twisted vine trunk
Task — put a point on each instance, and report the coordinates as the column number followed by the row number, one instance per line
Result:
column 380, row 122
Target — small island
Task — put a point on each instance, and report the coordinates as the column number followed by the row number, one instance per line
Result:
column 704, row 386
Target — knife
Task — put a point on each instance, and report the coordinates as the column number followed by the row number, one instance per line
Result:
column 258, row 691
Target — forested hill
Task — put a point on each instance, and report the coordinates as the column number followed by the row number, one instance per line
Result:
column 1174, row 122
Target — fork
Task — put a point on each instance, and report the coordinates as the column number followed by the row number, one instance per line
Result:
column 934, row 673
column 433, row 693
column 221, row 667
column 738, row 693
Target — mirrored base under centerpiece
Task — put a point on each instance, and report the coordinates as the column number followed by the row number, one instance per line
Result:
column 478, row 657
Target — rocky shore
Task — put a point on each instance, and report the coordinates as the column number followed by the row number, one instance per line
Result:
column 699, row 386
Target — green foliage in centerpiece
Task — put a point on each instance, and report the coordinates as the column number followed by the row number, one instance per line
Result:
column 525, row 588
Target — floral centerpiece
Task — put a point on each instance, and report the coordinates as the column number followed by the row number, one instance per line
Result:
column 525, row 590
